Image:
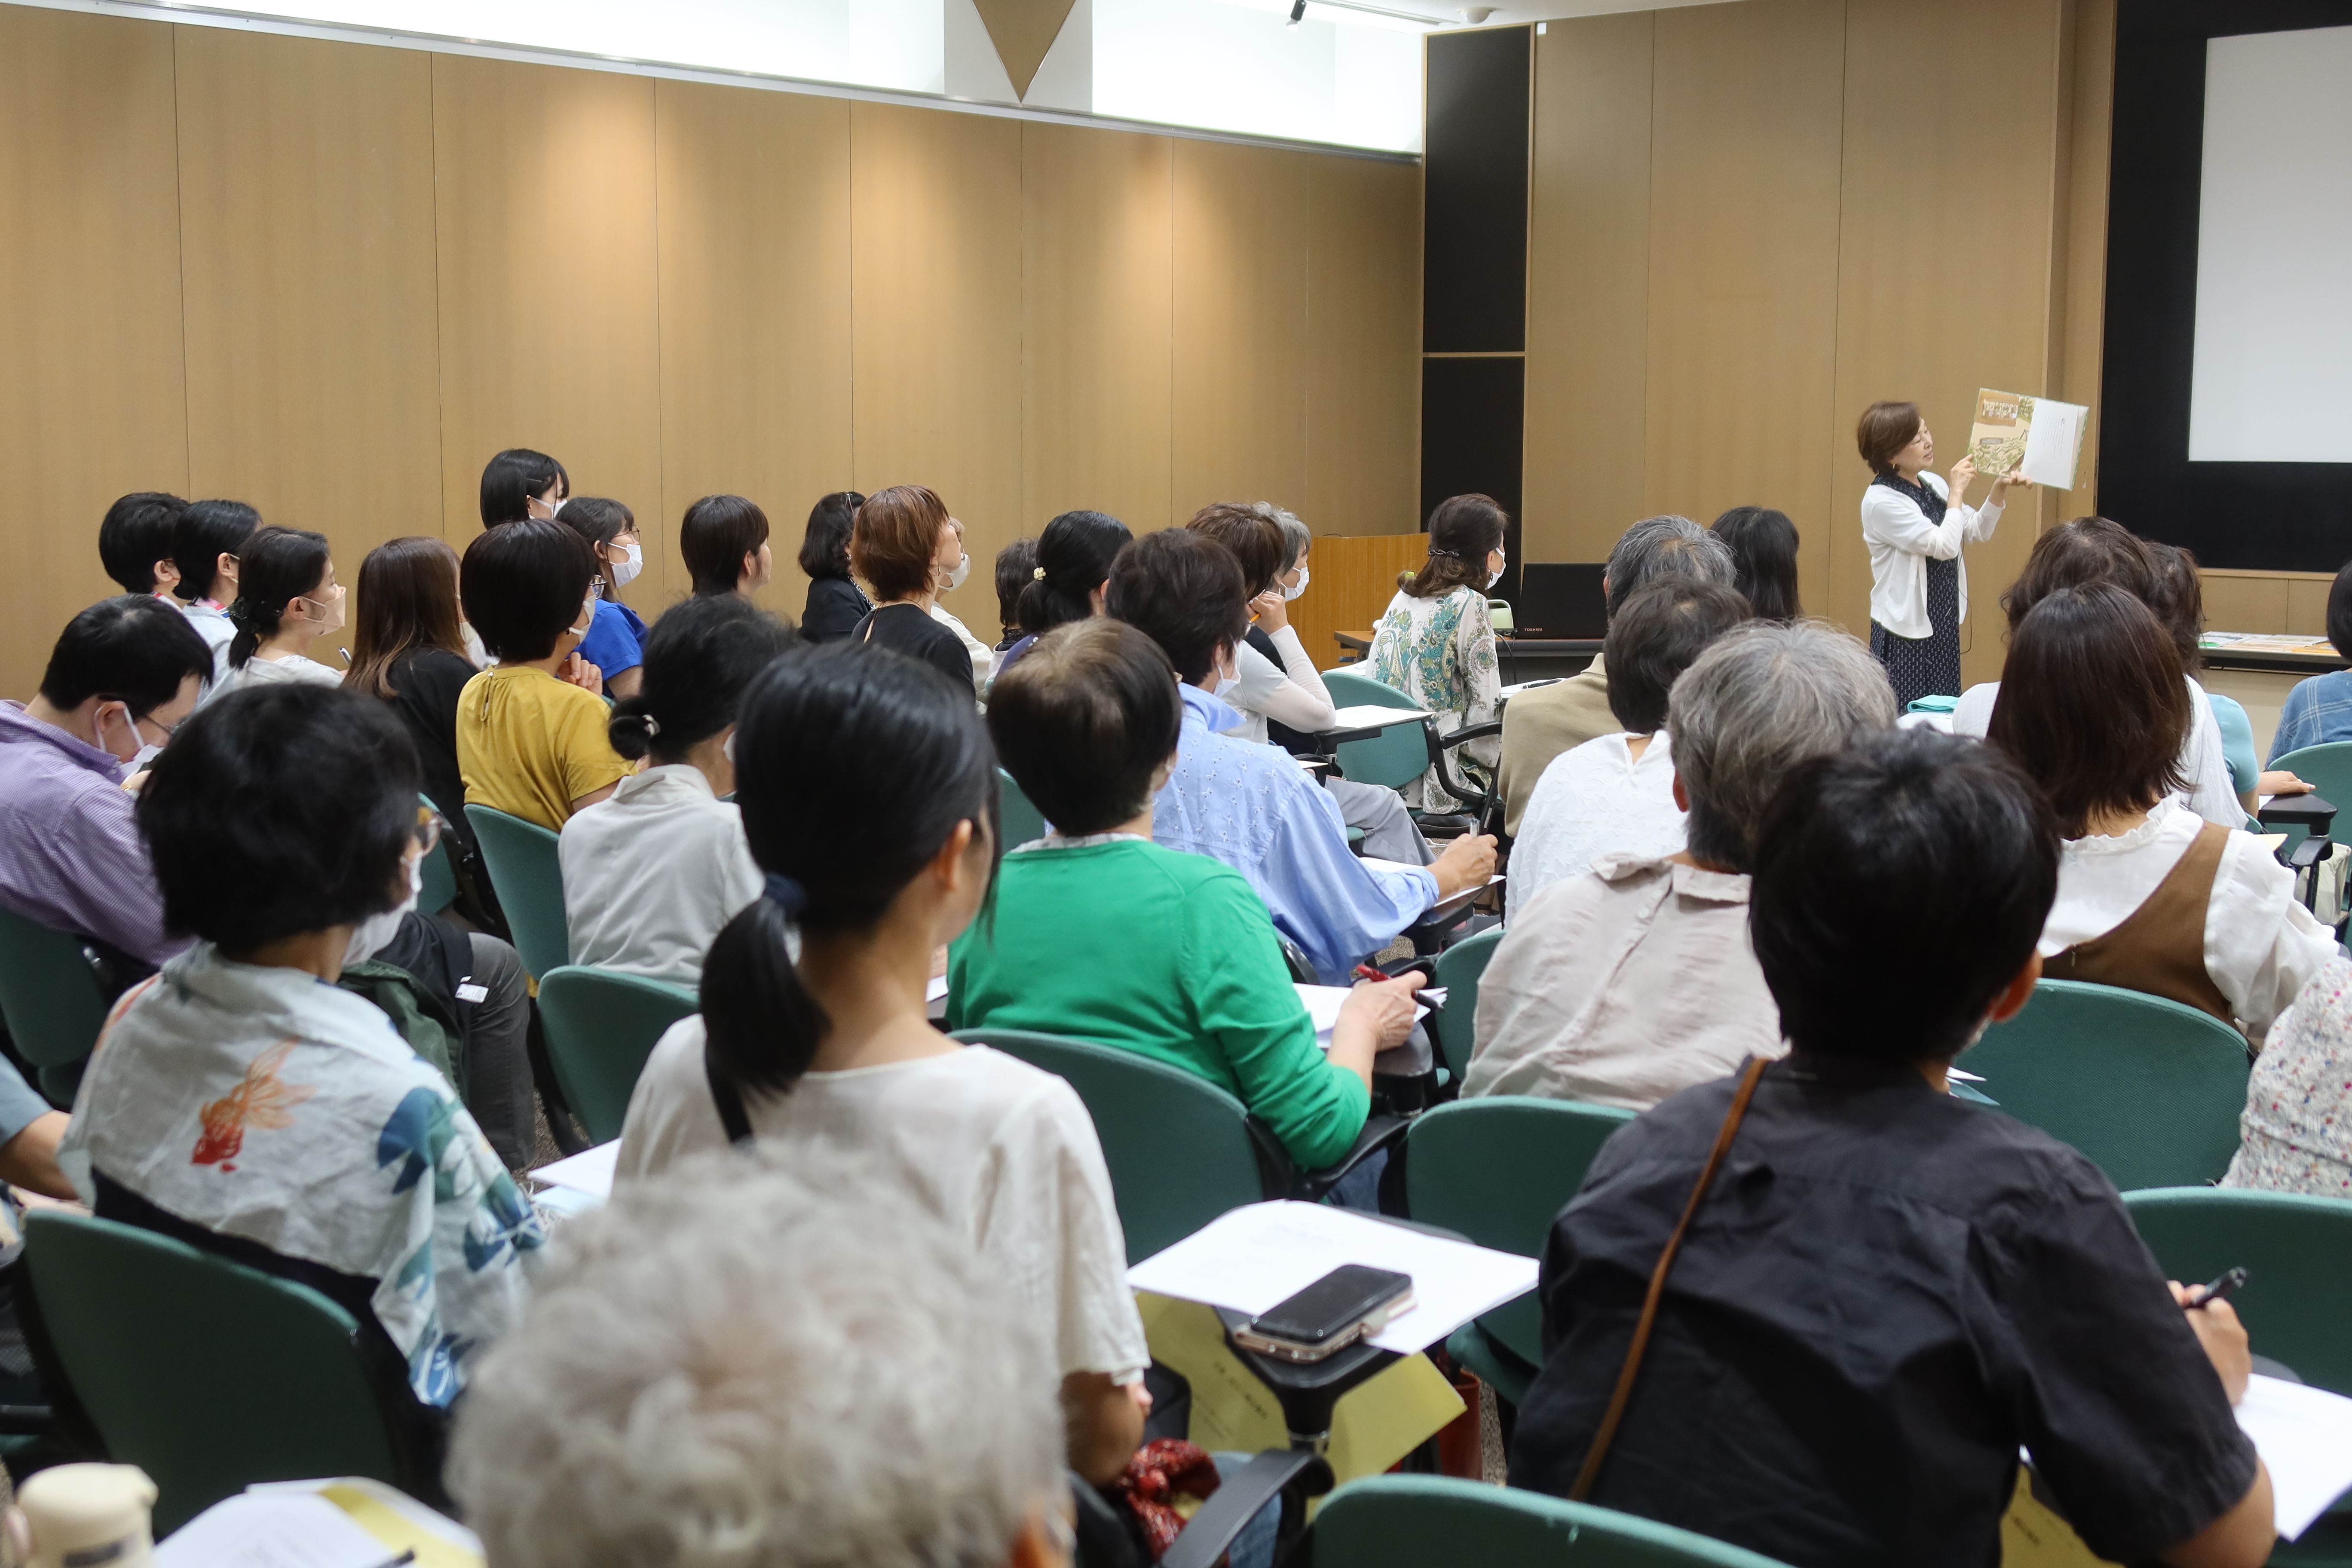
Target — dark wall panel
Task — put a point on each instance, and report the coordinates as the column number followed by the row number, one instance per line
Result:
column 1472, row 414
column 1475, row 167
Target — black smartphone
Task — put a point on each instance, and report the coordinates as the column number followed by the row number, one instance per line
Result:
column 1350, row 1303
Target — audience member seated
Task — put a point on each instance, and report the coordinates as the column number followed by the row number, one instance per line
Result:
column 1066, row 583
column 407, row 650
column 205, row 543
column 615, row 643
column 2151, row 897
column 776, row 1363
column 2094, row 550
column 867, row 790
column 1541, row 725
column 1614, row 795
column 1102, row 933
column 125, row 674
column 836, row 603
column 2296, row 1133
column 903, row 544
column 1637, row 982
column 1014, row 562
column 724, row 541
column 1886, row 1292
column 2319, row 709
column 134, row 541
column 2182, row 611
column 947, row 580
column 287, row 599
column 1436, row 642
column 519, row 484
column 531, row 728
column 651, row 874
column 1763, row 544
column 238, row 1104
column 1249, row 805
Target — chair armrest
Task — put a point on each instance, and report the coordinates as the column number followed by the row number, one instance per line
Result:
column 1238, row 1498
column 1441, row 748
column 2308, row 853
column 1380, row 1132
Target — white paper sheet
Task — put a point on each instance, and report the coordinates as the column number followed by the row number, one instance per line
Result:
column 271, row 1530
column 2054, row 443
column 1323, row 1006
column 1377, row 863
column 2304, row 1436
column 936, row 990
column 1254, row 1257
column 590, row 1171
column 1368, row 715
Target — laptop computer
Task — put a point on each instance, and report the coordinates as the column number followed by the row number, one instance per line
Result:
column 1561, row 599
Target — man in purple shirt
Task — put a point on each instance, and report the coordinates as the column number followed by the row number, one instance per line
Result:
column 124, row 674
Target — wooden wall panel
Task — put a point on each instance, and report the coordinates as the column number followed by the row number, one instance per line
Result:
column 1241, row 325
column 544, row 185
column 935, row 236
column 2088, row 81
column 92, row 398
column 305, row 169
column 755, row 319
column 1589, row 285
column 1745, row 133
column 1355, row 577
column 1098, row 329
column 1363, row 346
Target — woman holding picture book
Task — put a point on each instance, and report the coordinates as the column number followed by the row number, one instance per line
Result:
column 1915, row 524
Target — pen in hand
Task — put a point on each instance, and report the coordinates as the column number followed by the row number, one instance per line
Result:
column 2218, row 1289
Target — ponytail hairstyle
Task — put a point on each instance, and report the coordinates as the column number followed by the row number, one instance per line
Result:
column 699, row 658
column 1073, row 557
column 1463, row 530
column 853, row 766
column 275, row 565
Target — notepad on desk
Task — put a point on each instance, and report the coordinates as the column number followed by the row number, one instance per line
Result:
column 1323, row 1004
column 1371, row 716
column 1377, row 863
column 2304, row 1436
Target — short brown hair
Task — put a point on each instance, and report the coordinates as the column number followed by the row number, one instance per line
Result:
column 895, row 538
column 2180, row 601
column 2092, row 705
column 1253, row 537
column 1083, row 722
column 2076, row 554
column 1884, row 429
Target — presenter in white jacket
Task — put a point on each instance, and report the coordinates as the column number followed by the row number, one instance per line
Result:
column 1915, row 524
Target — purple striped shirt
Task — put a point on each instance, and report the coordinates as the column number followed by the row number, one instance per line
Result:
column 70, row 854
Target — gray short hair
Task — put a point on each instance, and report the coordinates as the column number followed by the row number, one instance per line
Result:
column 1667, row 546
column 1762, row 699
column 770, row 1362
column 1295, row 540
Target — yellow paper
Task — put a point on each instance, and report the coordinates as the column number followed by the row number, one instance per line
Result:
column 398, row 1532
column 2032, row 1536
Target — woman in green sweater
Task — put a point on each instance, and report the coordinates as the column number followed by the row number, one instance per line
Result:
column 1099, row 933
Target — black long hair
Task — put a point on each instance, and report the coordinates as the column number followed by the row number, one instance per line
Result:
column 853, row 766
column 275, row 565
column 1073, row 557
column 699, row 658
column 1764, row 558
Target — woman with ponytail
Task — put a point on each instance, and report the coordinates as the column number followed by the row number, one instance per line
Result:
column 286, row 600
column 868, row 794
column 1073, row 557
column 653, row 872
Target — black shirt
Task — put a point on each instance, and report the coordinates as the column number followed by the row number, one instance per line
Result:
column 1887, row 1292
column 835, row 606
column 428, row 682
column 911, row 631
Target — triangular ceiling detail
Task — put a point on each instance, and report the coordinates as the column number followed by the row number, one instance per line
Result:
column 1022, row 30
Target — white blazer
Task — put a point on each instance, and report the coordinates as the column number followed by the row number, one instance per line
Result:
column 1902, row 542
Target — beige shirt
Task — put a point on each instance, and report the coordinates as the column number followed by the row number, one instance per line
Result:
column 1538, row 725
column 1623, row 987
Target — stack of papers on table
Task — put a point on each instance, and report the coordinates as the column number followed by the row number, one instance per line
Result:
column 349, row 1522
column 1253, row 1258
column 1371, row 716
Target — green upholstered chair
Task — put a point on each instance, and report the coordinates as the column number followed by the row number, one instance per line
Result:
column 2149, row 1089
column 2327, row 769
column 1398, row 755
column 1498, row 1170
column 51, row 1000
column 1418, row 1521
column 204, row 1373
column 1020, row 820
column 528, row 877
column 1458, row 969
column 2297, row 1253
column 601, row 1027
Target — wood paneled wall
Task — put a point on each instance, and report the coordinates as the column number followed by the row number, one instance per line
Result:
column 1352, row 582
column 1752, row 220
column 332, row 278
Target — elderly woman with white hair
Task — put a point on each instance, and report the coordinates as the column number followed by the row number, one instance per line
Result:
column 1634, row 981
column 767, row 1360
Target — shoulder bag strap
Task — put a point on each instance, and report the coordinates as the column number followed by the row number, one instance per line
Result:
column 724, row 1094
column 1623, row 1392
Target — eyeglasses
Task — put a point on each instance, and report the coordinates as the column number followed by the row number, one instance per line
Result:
column 430, row 825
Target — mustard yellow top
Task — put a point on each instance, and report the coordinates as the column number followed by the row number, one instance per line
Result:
column 530, row 745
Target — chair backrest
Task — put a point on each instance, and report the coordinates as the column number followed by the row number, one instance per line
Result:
column 2297, row 1253
column 2150, row 1089
column 1498, row 1171
column 50, row 999
column 527, row 875
column 1458, row 969
column 601, row 1027
column 1411, row 1521
column 440, row 874
column 1020, row 820
column 1179, row 1147
column 204, row 1373
column 2328, row 770
column 1398, row 755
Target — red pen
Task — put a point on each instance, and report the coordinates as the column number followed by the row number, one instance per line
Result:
column 1365, row 972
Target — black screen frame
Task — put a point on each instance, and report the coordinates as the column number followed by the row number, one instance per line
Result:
column 2275, row 517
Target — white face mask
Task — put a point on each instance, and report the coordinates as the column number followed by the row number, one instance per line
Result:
column 373, row 934
column 623, row 572
column 580, row 628
column 1497, row 575
column 1298, row 587
column 955, row 578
